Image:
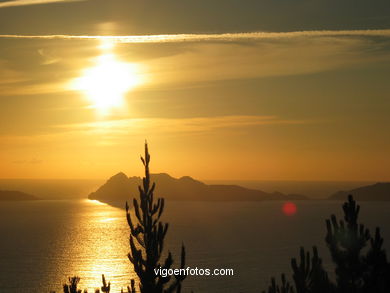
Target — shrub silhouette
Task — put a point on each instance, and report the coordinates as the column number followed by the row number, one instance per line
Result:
column 147, row 235
column 358, row 268
column 73, row 284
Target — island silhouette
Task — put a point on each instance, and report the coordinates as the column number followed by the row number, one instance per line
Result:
column 120, row 187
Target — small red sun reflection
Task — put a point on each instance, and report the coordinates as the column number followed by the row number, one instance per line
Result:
column 289, row 208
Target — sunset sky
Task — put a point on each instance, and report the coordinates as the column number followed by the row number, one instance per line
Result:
column 268, row 90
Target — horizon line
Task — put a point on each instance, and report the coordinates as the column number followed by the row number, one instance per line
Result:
column 203, row 179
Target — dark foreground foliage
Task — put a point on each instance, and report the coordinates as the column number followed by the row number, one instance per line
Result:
column 361, row 264
column 360, row 261
column 71, row 287
column 147, row 234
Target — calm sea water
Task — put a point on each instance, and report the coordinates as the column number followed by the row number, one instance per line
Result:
column 43, row 242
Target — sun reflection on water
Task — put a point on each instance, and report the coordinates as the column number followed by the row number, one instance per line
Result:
column 103, row 248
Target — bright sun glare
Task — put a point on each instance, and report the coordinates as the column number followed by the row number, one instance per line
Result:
column 106, row 83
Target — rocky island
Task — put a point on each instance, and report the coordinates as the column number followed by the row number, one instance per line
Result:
column 121, row 188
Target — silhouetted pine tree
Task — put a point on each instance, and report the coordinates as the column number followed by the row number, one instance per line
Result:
column 284, row 288
column 309, row 275
column 147, row 235
column 356, row 272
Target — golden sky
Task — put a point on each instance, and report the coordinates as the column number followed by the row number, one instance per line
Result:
column 213, row 102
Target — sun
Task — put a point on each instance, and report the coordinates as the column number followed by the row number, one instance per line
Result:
column 106, row 83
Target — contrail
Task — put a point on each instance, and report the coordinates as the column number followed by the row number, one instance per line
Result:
column 32, row 2
column 176, row 38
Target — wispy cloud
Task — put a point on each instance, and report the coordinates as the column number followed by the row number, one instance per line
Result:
column 211, row 57
column 48, row 58
column 119, row 131
column 177, row 125
column 23, row 88
column 173, row 38
column 14, row 3
column 8, row 76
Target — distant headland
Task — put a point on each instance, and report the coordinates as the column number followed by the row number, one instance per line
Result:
column 374, row 192
column 121, row 188
column 12, row 195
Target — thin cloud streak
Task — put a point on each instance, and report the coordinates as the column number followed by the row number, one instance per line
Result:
column 114, row 132
column 15, row 3
column 177, row 38
column 178, row 125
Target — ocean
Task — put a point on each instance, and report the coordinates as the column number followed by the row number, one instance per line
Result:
column 44, row 242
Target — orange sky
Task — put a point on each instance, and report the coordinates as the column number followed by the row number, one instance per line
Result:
column 304, row 105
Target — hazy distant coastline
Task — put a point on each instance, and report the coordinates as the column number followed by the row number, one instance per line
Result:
column 12, row 195
column 81, row 188
column 312, row 189
column 376, row 192
column 53, row 188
